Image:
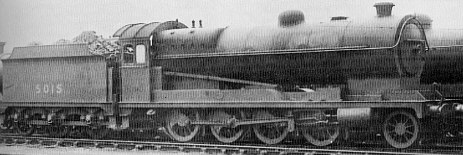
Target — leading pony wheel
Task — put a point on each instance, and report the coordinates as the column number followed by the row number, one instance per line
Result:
column 400, row 129
column 178, row 125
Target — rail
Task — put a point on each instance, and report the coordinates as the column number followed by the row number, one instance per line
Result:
column 208, row 148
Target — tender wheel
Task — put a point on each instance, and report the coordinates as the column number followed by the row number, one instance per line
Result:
column 321, row 136
column 24, row 129
column 271, row 133
column 98, row 132
column 58, row 131
column 401, row 129
column 179, row 127
column 6, row 122
column 226, row 134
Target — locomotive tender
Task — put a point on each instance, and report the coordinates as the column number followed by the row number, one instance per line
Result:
column 391, row 76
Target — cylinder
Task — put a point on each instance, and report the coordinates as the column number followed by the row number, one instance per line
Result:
column 354, row 116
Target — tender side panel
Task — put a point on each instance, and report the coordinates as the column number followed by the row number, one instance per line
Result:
column 64, row 79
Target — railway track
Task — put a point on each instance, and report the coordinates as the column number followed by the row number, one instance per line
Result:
column 212, row 148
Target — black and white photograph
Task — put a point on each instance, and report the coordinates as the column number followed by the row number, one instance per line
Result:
column 231, row 77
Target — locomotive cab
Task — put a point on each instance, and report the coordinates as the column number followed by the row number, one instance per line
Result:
column 135, row 69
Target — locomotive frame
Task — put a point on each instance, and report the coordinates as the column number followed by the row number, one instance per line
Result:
column 163, row 85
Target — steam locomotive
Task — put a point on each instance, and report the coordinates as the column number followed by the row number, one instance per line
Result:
column 390, row 76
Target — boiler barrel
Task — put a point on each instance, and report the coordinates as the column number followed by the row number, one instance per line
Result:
column 444, row 61
column 292, row 69
column 321, row 53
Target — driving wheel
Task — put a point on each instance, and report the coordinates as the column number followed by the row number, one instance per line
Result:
column 226, row 134
column 321, row 135
column 269, row 133
column 178, row 125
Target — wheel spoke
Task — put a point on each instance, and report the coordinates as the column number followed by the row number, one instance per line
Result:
column 405, row 138
column 189, row 129
column 395, row 137
column 181, row 131
column 406, row 121
column 402, row 119
column 272, row 133
column 398, row 139
column 392, row 133
column 409, row 132
column 395, row 120
column 277, row 131
column 185, row 131
column 226, row 133
column 391, row 125
column 409, row 126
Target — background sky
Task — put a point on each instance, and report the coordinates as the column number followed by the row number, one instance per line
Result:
column 47, row 21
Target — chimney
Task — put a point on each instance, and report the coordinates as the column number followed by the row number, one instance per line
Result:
column 291, row 18
column 2, row 45
column 384, row 9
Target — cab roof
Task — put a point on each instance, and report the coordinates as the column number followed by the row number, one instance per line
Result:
column 142, row 30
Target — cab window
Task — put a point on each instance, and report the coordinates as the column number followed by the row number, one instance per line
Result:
column 140, row 52
column 128, row 55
